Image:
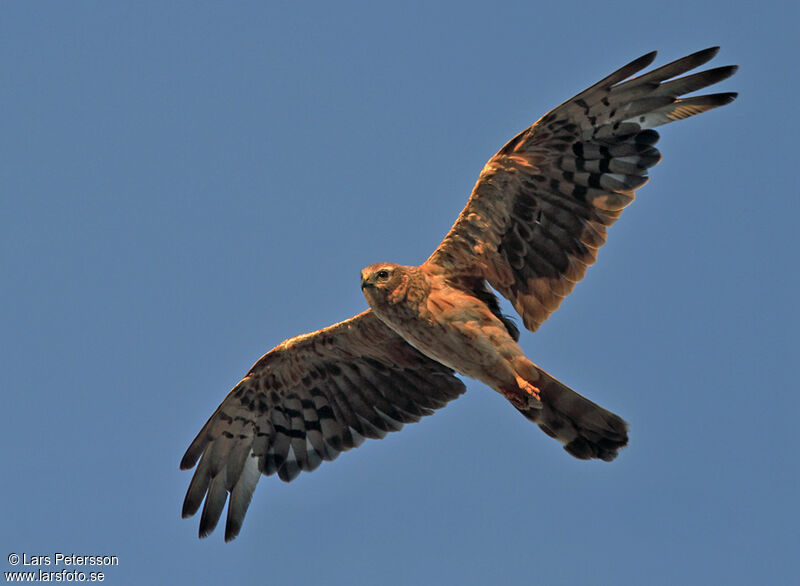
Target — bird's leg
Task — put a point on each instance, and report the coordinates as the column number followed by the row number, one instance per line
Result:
column 529, row 388
column 524, row 395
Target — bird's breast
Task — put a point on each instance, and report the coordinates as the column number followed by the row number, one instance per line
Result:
column 448, row 325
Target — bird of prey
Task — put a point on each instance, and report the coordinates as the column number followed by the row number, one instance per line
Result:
column 533, row 224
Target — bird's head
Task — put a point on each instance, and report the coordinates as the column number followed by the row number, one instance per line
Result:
column 380, row 280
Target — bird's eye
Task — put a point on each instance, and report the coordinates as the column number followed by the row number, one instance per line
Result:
column 383, row 274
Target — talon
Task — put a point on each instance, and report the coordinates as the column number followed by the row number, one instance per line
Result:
column 524, row 396
column 529, row 389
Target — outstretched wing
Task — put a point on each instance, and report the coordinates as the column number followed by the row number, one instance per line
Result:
column 541, row 206
column 305, row 401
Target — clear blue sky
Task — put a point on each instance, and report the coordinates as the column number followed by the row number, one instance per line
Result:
column 186, row 185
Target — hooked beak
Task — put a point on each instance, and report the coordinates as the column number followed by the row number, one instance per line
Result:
column 365, row 283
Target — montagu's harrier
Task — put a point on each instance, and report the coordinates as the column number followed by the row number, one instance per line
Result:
column 533, row 224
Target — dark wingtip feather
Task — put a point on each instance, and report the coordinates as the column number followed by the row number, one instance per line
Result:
column 188, row 461
column 704, row 55
column 215, row 502
column 724, row 72
column 189, row 508
column 649, row 56
column 232, row 528
column 642, row 62
column 696, row 81
column 725, row 98
column 710, row 100
column 697, row 58
column 207, row 526
column 195, row 450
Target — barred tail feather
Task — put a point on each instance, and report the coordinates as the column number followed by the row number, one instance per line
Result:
column 585, row 429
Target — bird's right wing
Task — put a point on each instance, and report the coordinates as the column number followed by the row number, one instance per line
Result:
column 305, row 401
column 540, row 209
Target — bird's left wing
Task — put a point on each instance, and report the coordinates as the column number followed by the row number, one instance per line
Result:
column 541, row 206
column 307, row 400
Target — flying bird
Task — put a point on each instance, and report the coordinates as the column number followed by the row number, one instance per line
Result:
column 532, row 226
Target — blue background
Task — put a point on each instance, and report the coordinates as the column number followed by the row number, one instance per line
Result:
column 185, row 185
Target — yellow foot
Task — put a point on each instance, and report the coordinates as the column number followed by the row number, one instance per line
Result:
column 524, row 396
column 529, row 389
